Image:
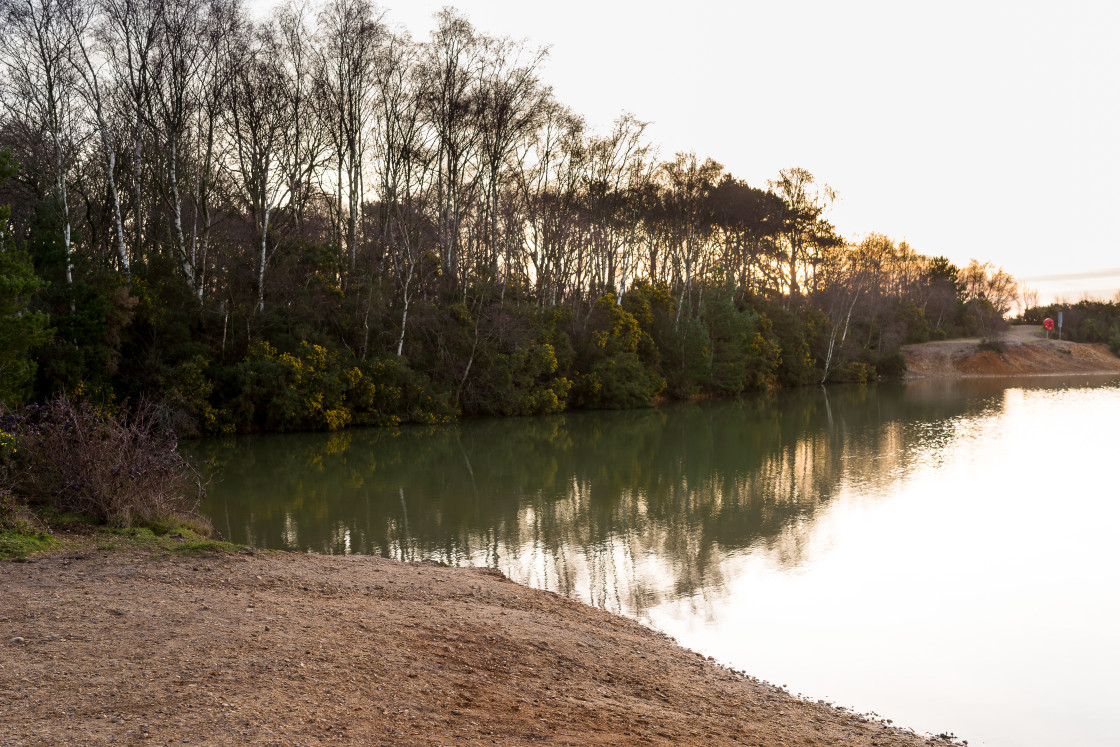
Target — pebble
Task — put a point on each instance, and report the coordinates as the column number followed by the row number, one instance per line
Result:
column 17, row 639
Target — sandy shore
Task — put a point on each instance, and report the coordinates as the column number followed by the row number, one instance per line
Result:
column 1026, row 352
column 127, row 647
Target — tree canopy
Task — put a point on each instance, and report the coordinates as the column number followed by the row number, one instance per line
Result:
column 317, row 213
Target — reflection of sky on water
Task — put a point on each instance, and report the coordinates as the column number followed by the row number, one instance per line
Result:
column 975, row 591
column 936, row 553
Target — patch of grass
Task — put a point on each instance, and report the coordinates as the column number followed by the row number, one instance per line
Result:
column 24, row 533
column 181, row 539
column 204, row 546
column 17, row 544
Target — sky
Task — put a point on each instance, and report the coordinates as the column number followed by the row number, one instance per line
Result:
column 982, row 129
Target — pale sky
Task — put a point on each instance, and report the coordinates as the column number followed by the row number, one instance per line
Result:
column 970, row 129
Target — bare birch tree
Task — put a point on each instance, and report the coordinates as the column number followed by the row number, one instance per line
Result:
column 88, row 63
column 259, row 123
column 180, row 58
column 130, row 34
column 350, row 33
column 451, row 63
column 39, row 88
column 510, row 106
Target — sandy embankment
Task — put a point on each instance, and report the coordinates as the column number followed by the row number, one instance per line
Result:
column 1026, row 352
column 129, row 647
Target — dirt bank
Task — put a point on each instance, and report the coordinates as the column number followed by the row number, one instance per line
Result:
column 1026, row 351
column 128, row 647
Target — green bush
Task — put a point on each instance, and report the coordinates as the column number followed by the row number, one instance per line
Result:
column 292, row 391
column 892, row 366
column 186, row 390
column 917, row 326
column 743, row 355
column 685, row 357
column 797, row 334
column 1091, row 331
column 854, row 372
column 516, row 375
column 619, row 382
column 385, row 391
column 615, row 361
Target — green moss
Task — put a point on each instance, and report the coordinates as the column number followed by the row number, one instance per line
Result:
column 203, row 546
column 177, row 539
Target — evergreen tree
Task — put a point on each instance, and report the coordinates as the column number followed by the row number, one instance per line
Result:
column 21, row 329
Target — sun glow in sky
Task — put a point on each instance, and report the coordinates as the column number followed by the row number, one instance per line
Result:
column 984, row 129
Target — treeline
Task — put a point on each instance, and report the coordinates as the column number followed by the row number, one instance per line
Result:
column 314, row 220
column 1084, row 321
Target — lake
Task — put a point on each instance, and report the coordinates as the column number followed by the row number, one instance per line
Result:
column 941, row 553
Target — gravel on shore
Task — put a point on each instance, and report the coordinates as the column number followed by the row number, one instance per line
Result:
column 134, row 647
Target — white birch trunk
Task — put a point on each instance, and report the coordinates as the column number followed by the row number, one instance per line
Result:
column 404, row 314
column 177, row 215
column 117, row 212
column 264, row 253
column 137, row 156
column 843, row 337
column 60, row 176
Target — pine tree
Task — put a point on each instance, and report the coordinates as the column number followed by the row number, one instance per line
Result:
column 21, row 330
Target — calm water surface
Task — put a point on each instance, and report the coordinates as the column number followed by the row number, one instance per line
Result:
column 941, row 553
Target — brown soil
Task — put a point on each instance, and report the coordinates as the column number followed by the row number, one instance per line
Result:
column 1026, row 352
column 127, row 646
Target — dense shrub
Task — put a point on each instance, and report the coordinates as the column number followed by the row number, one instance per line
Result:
column 186, row 390
column 616, row 361
column 915, row 322
column 794, row 332
column 123, row 470
column 511, row 366
column 891, row 366
column 386, row 391
column 302, row 390
column 743, row 355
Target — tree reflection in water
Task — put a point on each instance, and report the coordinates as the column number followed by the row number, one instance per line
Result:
column 621, row 509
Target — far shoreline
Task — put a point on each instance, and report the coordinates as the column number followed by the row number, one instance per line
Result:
column 1020, row 351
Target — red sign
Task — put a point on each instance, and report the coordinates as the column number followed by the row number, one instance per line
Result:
column 1048, row 323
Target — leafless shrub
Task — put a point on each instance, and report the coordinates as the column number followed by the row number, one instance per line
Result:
column 122, row 469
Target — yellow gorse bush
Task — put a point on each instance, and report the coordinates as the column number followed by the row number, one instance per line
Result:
column 8, row 445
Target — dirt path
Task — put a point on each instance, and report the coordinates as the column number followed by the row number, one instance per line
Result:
column 282, row 649
column 1026, row 351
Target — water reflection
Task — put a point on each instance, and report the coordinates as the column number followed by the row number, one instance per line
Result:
column 621, row 509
